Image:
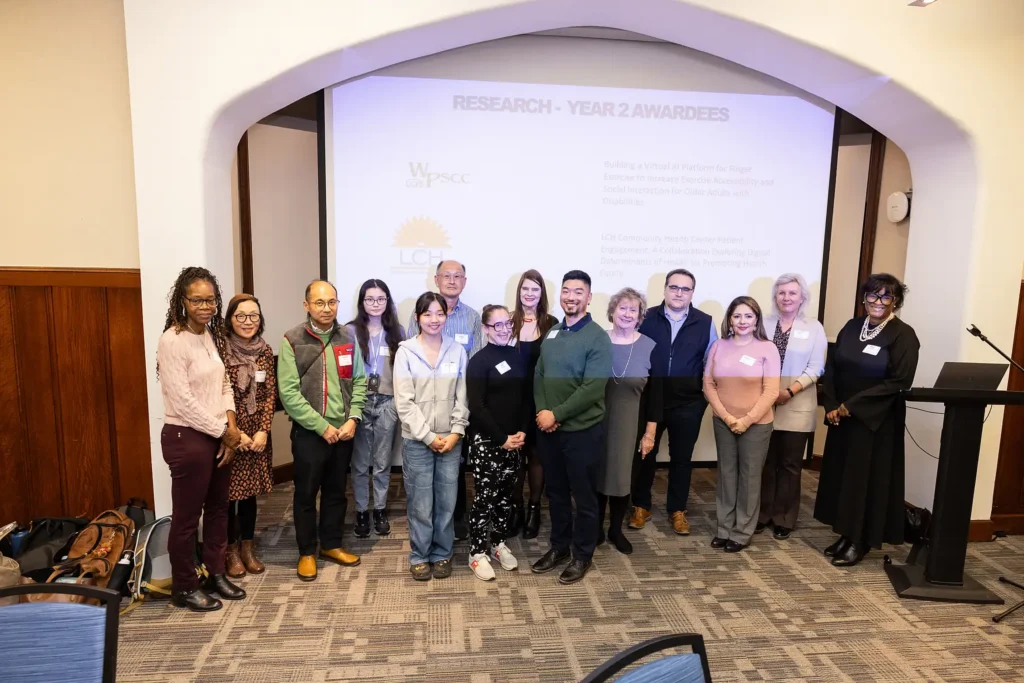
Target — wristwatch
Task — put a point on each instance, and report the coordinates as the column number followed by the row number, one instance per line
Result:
column 791, row 394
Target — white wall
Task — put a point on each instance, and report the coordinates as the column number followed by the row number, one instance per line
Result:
column 199, row 79
column 285, row 237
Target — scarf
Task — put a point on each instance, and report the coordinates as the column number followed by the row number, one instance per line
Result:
column 242, row 353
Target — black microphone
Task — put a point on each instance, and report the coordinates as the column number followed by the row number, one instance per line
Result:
column 975, row 331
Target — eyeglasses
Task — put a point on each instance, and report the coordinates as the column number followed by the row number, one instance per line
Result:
column 378, row 301
column 200, row 303
column 242, row 317
column 320, row 304
column 452, row 277
column 676, row 289
column 500, row 327
column 875, row 298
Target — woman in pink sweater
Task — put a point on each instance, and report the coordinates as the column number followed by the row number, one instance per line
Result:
column 741, row 382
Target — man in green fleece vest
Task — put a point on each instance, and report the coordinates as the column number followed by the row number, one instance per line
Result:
column 574, row 366
column 322, row 384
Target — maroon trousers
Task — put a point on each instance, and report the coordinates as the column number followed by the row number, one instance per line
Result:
column 198, row 487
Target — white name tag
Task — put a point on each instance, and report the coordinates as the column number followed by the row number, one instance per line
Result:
column 872, row 350
column 552, row 334
column 261, row 375
column 450, row 368
column 385, row 351
column 462, row 339
column 344, row 361
column 503, row 367
column 747, row 360
column 801, row 334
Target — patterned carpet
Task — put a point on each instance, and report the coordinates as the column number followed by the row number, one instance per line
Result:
column 777, row 611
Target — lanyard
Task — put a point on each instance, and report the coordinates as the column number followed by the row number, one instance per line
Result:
column 375, row 353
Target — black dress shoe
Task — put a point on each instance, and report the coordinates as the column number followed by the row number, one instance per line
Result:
column 576, row 570
column 461, row 530
column 718, row 543
column 362, row 527
column 381, row 525
column 550, row 560
column 760, row 527
column 837, row 547
column 620, row 542
column 850, row 556
column 781, row 533
column 734, row 547
column 219, row 584
column 531, row 527
column 196, row 600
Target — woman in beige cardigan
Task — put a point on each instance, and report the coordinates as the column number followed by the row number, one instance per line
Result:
column 802, row 345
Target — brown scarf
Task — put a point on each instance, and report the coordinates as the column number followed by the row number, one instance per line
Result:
column 242, row 353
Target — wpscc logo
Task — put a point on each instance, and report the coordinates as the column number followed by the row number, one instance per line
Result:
column 421, row 176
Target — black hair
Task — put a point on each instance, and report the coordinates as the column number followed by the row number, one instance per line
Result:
column 680, row 271
column 309, row 287
column 751, row 303
column 388, row 320
column 876, row 282
column 233, row 305
column 576, row 275
column 424, row 301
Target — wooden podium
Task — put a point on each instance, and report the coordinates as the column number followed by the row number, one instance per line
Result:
column 935, row 568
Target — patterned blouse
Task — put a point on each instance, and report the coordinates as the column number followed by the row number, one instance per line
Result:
column 781, row 340
column 252, row 474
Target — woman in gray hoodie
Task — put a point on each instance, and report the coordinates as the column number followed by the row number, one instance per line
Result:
column 430, row 395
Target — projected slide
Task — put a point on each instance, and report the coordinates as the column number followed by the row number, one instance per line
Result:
column 626, row 184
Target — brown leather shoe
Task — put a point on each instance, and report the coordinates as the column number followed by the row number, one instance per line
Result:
column 307, row 568
column 248, row 554
column 679, row 523
column 339, row 555
column 639, row 518
column 233, row 566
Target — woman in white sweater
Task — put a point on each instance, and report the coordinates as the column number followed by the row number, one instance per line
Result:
column 802, row 345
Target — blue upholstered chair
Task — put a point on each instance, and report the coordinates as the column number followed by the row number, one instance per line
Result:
column 685, row 668
column 41, row 642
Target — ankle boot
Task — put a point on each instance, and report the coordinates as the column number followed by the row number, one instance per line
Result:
column 219, row 584
column 196, row 600
column 617, row 513
column 249, row 559
column 517, row 519
column 531, row 527
column 233, row 563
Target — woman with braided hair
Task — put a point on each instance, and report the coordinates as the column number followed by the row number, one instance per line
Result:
column 199, row 436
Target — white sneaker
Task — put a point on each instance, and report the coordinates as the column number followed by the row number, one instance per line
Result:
column 502, row 554
column 481, row 566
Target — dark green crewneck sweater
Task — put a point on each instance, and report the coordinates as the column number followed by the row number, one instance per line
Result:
column 574, row 367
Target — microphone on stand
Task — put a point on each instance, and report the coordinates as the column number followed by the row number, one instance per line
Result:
column 977, row 333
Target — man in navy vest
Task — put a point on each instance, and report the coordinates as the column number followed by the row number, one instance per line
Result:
column 684, row 335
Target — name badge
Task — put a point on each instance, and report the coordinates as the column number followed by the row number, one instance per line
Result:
column 261, row 376
column 385, row 351
column 450, row 368
column 344, row 361
column 801, row 334
column 462, row 339
column 503, row 367
column 747, row 360
column 552, row 334
column 872, row 350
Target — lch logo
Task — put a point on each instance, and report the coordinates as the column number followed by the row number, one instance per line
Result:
column 422, row 176
column 421, row 243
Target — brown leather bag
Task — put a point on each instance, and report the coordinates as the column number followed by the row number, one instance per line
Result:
column 96, row 550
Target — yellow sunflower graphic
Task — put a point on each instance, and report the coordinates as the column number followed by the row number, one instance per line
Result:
column 421, row 233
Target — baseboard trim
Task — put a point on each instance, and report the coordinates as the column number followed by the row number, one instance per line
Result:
column 284, row 473
column 1012, row 523
column 981, row 530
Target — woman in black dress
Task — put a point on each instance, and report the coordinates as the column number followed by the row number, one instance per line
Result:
column 530, row 324
column 860, row 492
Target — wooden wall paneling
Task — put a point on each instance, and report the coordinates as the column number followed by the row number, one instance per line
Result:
column 245, row 214
column 70, row 277
column 80, row 338
column 15, row 503
column 39, row 398
column 128, row 394
column 1008, row 497
column 871, row 202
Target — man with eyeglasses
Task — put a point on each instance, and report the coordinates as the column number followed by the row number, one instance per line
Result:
column 463, row 325
column 322, row 384
column 683, row 335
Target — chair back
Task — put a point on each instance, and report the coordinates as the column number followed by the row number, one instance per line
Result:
column 684, row 668
column 59, row 641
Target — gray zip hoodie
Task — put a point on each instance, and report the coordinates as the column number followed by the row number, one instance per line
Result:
column 431, row 400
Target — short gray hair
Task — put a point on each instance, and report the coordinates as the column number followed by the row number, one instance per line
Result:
column 627, row 293
column 785, row 279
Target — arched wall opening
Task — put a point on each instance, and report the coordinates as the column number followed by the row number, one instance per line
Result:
column 195, row 226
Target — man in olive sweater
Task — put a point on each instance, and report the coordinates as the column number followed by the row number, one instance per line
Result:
column 322, row 383
column 575, row 363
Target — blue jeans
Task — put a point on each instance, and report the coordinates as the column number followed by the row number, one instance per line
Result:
column 430, row 489
column 375, row 436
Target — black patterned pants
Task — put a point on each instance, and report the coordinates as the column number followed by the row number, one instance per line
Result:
column 494, row 475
